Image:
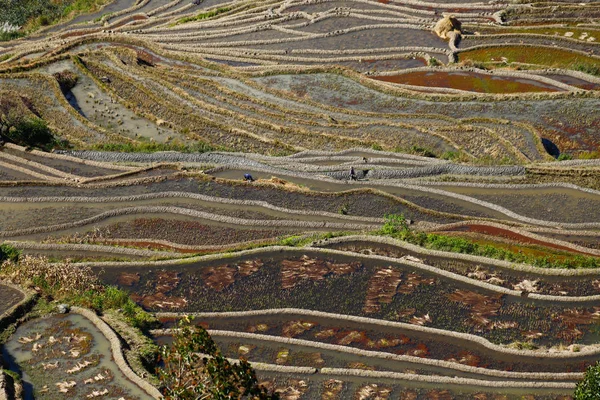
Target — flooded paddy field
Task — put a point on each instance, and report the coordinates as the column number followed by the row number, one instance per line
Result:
column 401, row 340
column 178, row 229
column 67, row 166
column 429, row 201
column 469, row 81
column 558, row 285
column 552, row 203
column 66, row 352
column 18, row 216
column 312, row 280
column 352, row 300
column 342, row 386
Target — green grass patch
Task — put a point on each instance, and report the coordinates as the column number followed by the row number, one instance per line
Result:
column 31, row 15
column 152, row 147
column 397, row 227
column 204, row 15
column 113, row 298
column 7, row 252
column 543, row 57
column 6, row 36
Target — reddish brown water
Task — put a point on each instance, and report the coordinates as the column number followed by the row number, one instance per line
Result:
column 469, row 81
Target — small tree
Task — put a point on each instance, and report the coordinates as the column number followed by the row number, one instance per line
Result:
column 194, row 368
column 589, row 387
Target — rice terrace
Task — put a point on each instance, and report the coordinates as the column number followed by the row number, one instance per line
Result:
column 300, row 199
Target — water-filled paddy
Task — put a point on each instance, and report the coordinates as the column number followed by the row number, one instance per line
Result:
column 66, row 352
column 375, row 337
column 366, row 39
column 470, row 81
column 68, row 166
column 23, row 215
column 558, row 285
column 560, row 204
column 354, row 285
column 424, row 199
column 314, row 386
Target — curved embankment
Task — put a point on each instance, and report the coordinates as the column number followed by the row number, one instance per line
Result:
column 12, row 310
column 90, row 248
column 515, row 234
column 472, row 340
column 192, row 196
column 299, row 251
column 189, row 213
column 509, row 266
column 318, row 183
column 437, row 368
column 117, row 351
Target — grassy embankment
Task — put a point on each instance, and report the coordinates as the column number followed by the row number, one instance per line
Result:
column 505, row 56
column 32, row 15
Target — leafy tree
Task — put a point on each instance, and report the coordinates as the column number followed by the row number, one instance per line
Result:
column 589, row 387
column 194, row 368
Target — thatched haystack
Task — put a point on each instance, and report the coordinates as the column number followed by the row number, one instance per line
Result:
column 446, row 25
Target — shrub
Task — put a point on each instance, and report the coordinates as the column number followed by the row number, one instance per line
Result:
column 394, row 225
column 589, row 387
column 113, row 298
column 422, row 151
column 7, row 252
column 79, row 286
column 564, row 157
column 450, row 155
column 588, row 69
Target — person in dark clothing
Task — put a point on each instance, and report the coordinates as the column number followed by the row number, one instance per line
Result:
column 352, row 174
column 248, row 178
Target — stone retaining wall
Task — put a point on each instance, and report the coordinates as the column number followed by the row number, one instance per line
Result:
column 189, row 195
column 117, row 351
column 190, row 213
column 19, row 309
column 89, row 248
column 466, row 257
column 300, row 251
column 433, row 170
column 586, row 351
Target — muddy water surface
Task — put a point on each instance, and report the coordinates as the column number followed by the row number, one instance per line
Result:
column 66, row 351
column 470, row 81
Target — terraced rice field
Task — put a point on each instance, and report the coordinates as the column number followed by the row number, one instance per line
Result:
column 459, row 260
